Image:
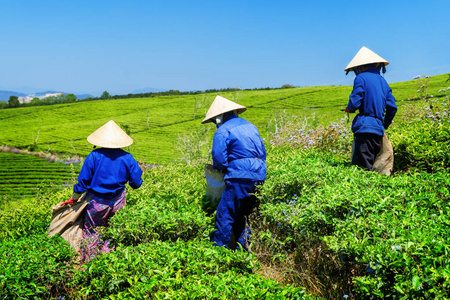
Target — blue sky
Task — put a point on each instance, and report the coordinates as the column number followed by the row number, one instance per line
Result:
column 121, row 46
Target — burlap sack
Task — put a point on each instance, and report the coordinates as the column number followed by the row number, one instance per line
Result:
column 384, row 162
column 215, row 184
column 67, row 221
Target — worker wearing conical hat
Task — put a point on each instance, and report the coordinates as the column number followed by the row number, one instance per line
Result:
column 103, row 176
column 238, row 151
column 372, row 98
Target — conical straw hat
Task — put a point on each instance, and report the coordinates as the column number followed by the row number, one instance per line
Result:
column 110, row 135
column 365, row 56
column 220, row 106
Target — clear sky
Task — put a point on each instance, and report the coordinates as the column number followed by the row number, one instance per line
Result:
column 122, row 46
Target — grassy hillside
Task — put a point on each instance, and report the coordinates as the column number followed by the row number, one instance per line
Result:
column 64, row 128
column 156, row 123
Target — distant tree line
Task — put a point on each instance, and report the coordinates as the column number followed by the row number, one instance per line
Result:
column 70, row 98
column 36, row 101
column 106, row 95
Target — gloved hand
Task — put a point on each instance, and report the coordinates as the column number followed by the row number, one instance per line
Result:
column 70, row 201
column 347, row 111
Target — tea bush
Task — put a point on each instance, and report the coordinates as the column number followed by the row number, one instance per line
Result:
column 389, row 232
column 28, row 219
column 22, row 172
column 420, row 135
column 34, row 267
column 401, row 238
column 155, row 138
column 156, row 220
column 293, row 217
column 178, row 270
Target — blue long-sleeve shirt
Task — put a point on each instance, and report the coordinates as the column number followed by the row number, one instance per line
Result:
column 238, row 150
column 105, row 172
column 373, row 97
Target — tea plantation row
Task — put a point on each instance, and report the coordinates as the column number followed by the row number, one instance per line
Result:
column 22, row 174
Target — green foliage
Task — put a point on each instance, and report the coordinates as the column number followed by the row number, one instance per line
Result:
column 156, row 135
column 35, row 101
column 387, row 233
column 70, row 98
column 22, row 174
column 423, row 143
column 146, row 264
column 13, row 101
column 291, row 220
column 179, row 270
column 126, row 128
column 34, row 267
column 31, row 217
column 105, row 95
column 151, row 220
column 400, row 238
column 423, row 146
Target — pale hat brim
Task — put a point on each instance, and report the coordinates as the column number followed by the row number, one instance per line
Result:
column 220, row 106
column 111, row 136
column 365, row 56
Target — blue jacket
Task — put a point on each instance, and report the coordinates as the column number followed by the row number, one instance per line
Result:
column 372, row 96
column 105, row 172
column 238, row 150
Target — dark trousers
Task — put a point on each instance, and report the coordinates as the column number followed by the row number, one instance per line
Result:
column 235, row 206
column 365, row 148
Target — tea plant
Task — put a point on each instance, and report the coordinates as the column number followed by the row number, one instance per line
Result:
column 401, row 240
column 145, row 222
column 28, row 219
column 288, row 237
column 385, row 236
column 21, row 173
column 178, row 270
column 155, row 133
column 34, row 267
column 421, row 139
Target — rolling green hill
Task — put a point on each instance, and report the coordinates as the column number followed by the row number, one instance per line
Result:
column 156, row 123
